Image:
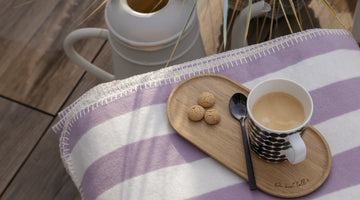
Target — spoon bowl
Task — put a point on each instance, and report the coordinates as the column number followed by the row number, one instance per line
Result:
column 237, row 107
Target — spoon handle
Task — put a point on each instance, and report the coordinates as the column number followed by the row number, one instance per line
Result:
column 249, row 166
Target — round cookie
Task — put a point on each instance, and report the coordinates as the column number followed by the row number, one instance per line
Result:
column 206, row 99
column 196, row 113
column 212, row 117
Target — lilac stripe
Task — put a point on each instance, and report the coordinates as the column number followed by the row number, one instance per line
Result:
column 136, row 159
column 239, row 72
column 344, row 173
column 335, row 99
column 96, row 176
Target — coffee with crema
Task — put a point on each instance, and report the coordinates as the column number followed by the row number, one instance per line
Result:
column 278, row 111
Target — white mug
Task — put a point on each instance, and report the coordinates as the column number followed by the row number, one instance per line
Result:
column 275, row 145
column 141, row 42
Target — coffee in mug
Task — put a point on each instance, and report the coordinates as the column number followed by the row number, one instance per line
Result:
column 279, row 111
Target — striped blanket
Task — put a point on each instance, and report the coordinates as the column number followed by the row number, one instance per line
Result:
column 116, row 141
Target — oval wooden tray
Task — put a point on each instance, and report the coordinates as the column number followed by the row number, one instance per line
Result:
column 223, row 141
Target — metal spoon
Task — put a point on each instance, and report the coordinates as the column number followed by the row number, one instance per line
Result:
column 237, row 106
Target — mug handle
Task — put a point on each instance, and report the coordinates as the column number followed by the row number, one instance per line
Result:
column 85, row 33
column 297, row 152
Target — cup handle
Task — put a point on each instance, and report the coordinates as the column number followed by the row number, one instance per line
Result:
column 297, row 152
column 85, row 33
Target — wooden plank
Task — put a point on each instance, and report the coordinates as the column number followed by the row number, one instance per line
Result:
column 344, row 9
column 68, row 191
column 34, row 69
column 210, row 18
column 20, row 129
column 43, row 176
column 104, row 60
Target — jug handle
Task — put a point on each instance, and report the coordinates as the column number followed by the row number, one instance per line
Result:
column 70, row 51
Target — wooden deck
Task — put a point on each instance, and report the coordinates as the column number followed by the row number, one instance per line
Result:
column 37, row 80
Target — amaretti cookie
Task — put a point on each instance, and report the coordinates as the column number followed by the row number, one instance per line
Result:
column 206, row 99
column 212, row 117
column 196, row 113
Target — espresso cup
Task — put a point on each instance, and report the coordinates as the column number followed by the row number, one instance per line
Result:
column 277, row 100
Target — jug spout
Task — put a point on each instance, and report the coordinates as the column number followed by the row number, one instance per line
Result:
column 239, row 28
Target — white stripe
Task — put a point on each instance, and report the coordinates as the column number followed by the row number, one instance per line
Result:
column 117, row 132
column 318, row 71
column 341, row 132
column 176, row 182
column 347, row 193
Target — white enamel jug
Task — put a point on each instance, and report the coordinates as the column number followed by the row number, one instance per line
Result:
column 141, row 42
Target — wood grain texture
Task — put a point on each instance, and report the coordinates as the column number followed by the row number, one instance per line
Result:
column 104, row 59
column 68, row 191
column 43, row 176
column 344, row 10
column 210, row 19
column 20, row 129
column 34, row 69
column 224, row 143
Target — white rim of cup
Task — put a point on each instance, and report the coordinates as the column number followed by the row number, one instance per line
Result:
column 305, row 123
